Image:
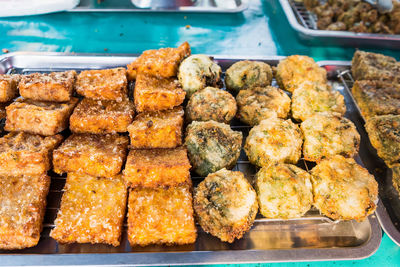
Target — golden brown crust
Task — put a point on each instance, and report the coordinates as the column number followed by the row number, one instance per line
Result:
column 8, row 87
column 396, row 177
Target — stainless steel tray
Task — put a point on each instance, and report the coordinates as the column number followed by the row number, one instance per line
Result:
column 313, row 237
column 304, row 23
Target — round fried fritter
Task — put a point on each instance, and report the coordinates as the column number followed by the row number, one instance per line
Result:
column 225, row 204
column 211, row 104
column 311, row 98
column 259, row 103
column 284, row 191
column 274, row 140
column 212, row 146
column 343, row 190
column 198, row 71
column 246, row 74
column 327, row 134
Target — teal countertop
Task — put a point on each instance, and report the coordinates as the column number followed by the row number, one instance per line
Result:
column 262, row 30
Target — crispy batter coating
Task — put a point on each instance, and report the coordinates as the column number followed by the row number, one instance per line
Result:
column 38, row 117
column 284, row 191
column 8, row 87
column 327, row 134
column 23, row 203
column 396, row 177
column 161, row 216
column 101, row 116
column 226, row 205
column 212, row 146
column 274, row 140
column 259, row 103
column 153, row 94
column 154, row 168
column 211, row 104
column 54, row 86
column 108, row 84
column 92, row 210
column 96, row 155
column 343, row 190
column 160, row 129
column 26, row 154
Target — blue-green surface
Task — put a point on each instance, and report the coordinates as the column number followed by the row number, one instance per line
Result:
column 262, row 30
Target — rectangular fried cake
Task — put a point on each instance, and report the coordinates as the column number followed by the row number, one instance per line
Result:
column 8, row 87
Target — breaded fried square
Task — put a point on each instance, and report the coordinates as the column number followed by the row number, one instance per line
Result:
column 23, row 203
column 161, row 216
column 8, row 86
column 163, row 62
column 92, row 210
column 152, row 93
column 157, row 167
column 161, row 129
column 108, row 84
column 54, row 86
column 97, row 155
column 26, row 154
column 38, row 117
column 101, row 116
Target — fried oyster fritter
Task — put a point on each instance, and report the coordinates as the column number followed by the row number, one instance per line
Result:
column 327, row 134
column 225, row 204
column 211, row 104
column 284, row 191
column 274, row 140
column 212, row 146
column 343, row 190
column 259, row 103
column 246, row 74
column 198, row 71
column 311, row 98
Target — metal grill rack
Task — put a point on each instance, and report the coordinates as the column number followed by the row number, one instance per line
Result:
column 304, row 17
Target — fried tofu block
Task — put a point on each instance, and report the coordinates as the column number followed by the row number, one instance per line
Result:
column 163, row 62
column 152, row 93
column 108, row 84
column 162, row 129
column 161, row 216
column 8, row 87
column 101, row 116
column 97, row 155
column 92, row 210
column 54, row 86
column 38, row 117
column 26, row 154
column 22, row 202
column 157, row 167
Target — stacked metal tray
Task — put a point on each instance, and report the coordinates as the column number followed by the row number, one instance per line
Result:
column 313, row 237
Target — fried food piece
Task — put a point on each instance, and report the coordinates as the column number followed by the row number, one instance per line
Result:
column 211, row 104
column 377, row 98
column 160, row 129
column 311, row 98
column 294, row 70
column 161, row 216
column 327, row 134
column 246, row 74
column 162, row 63
column 26, row 154
column 396, row 177
column 101, row 116
column 92, row 210
column 284, row 191
column 54, row 86
column 154, row 168
column 153, row 94
column 384, row 134
column 226, row 205
column 108, row 84
column 2, row 110
column 274, row 140
column 96, row 155
column 23, row 203
column 212, row 146
column 37, row 117
column 343, row 190
column 197, row 72
column 259, row 103
column 8, row 87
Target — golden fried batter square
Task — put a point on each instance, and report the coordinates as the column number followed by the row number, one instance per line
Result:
column 8, row 87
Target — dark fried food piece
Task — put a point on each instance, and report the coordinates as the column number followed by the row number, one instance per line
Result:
column 396, row 177
column 8, row 87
